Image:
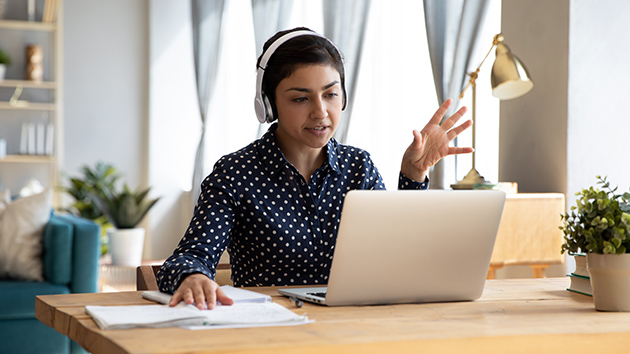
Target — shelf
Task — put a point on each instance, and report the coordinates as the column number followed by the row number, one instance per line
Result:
column 27, row 25
column 27, row 159
column 40, row 101
column 30, row 106
column 29, row 84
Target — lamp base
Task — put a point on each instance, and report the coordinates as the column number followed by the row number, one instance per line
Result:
column 468, row 182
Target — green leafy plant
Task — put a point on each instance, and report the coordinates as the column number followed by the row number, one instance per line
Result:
column 5, row 58
column 95, row 181
column 599, row 222
column 126, row 208
column 100, row 179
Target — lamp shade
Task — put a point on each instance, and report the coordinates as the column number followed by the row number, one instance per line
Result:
column 509, row 77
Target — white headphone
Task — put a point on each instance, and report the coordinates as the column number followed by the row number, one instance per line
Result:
column 264, row 110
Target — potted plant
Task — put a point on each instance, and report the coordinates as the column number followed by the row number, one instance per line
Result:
column 103, row 177
column 599, row 225
column 125, row 209
column 5, row 60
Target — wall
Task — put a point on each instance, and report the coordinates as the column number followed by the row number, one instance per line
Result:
column 569, row 128
column 106, row 51
column 566, row 131
column 532, row 135
column 174, row 124
column 598, row 90
column 533, row 127
column 107, row 48
column 105, row 86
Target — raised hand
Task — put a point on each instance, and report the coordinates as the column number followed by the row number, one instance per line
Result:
column 432, row 143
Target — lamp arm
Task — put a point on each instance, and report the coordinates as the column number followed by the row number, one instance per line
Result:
column 473, row 75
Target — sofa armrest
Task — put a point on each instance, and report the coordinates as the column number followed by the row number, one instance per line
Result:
column 85, row 254
column 58, row 236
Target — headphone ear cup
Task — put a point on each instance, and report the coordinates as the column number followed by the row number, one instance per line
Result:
column 259, row 106
column 268, row 109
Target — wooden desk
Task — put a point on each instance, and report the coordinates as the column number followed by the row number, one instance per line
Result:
column 512, row 316
column 528, row 233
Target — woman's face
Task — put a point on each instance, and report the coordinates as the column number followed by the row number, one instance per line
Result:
column 309, row 104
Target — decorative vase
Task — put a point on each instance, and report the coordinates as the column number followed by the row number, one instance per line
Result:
column 34, row 63
column 3, row 70
column 610, row 281
column 126, row 246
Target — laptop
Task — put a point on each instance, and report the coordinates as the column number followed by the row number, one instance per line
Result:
column 410, row 247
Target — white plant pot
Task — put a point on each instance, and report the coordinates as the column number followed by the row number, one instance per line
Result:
column 3, row 71
column 610, row 281
column 126, row 246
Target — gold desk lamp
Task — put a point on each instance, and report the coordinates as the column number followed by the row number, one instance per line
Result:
column 509, row 80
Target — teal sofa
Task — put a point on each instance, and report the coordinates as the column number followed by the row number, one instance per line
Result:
column 71, row 254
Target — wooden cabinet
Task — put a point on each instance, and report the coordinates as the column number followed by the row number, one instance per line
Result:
column 529, row 232
column 34, row 104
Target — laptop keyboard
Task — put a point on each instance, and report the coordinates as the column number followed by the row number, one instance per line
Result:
column 320, row 294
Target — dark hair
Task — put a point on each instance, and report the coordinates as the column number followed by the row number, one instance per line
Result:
column 296, row 52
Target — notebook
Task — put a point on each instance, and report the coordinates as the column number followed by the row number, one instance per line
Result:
column 410, row 247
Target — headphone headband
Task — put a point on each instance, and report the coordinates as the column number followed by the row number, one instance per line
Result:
column 280, row 41
column 264, row 110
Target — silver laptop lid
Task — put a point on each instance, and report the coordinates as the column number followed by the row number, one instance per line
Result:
column 413, row 246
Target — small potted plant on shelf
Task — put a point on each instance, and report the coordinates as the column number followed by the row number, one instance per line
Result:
column 5, row 60
column 599, row 225
column 125, row 209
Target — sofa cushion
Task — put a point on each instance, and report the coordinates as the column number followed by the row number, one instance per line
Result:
column 21, row 231
column 86, row 246
column 58, row 237
column 17, row 298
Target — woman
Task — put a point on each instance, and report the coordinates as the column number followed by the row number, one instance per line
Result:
column 275, row 204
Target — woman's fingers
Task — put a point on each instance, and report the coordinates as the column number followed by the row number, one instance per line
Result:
column 452, row 120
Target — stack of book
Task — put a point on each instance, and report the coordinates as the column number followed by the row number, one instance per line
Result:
column 580, row 279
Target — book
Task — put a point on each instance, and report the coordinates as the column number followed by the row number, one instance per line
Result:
column 24, row 139
column 580, row 265
column 50, row 136
column 580, row 279
column 580, row 285
column 31, row 142
column 40, row 146
column 250, row 309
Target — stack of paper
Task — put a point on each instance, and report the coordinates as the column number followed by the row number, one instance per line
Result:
column 250, row 309
column 122, row 317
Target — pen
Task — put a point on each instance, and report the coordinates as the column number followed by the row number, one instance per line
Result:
column 296, row 301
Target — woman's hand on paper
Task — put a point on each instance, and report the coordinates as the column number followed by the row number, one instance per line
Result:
column 198, row 289
column 432, row 143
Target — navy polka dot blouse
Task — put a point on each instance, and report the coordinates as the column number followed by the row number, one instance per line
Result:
column 278, row 228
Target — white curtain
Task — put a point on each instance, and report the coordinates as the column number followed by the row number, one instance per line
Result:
column 453, row 28
column 270, row 16
column 207, row 16
column 345, row 23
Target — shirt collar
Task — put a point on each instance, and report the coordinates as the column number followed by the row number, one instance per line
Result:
column 273, row 159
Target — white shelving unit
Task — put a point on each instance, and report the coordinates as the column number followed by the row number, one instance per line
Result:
column 17, row 167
